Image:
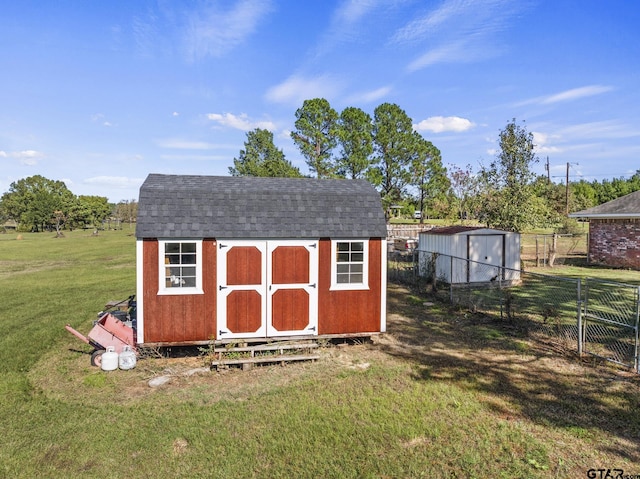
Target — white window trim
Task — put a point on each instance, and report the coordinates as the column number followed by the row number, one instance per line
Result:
column 162, row 289
column 335, row 286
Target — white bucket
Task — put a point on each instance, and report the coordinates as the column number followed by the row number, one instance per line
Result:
column 127, row 358
column 109, row 359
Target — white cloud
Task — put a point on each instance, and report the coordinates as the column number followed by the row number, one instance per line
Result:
column 567, row 95
column 440, row 124
column 180, row 144
column 240, row 122
column 26, row 154
column 353, row 10
column 212, row 32
column 369, row 96
column 100, row 118
column 25, row 157
column 576, row 93
column 450, row 53
column 461, row 30
column 195, row 157
column 295, row 89
column 350, row 22
column 117, row 182
column 284, row 135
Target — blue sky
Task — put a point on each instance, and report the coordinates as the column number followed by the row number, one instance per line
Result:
column 99, row 94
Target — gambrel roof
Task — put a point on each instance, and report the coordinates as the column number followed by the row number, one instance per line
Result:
column 627, row 206
column 192, row 206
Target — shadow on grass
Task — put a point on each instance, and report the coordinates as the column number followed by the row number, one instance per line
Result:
column 517, row 377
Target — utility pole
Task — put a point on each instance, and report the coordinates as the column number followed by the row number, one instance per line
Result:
column 546, row 167
column 566, row 191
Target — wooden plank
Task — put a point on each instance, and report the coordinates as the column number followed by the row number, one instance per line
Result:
column 268, row 347
column 266, row 359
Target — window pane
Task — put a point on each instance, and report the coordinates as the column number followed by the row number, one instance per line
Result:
column 189, row 282
column 343, row 257
column 356, row 278
column 188, row 247
column 357, row 246
column 189, row 271
column 356, row 268
column 342, row 268
column 343, row 247
column 172, row 247
column 359, row 257
column 343, row 278
column 188, row 259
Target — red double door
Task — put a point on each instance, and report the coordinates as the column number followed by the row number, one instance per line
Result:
column 267, row 288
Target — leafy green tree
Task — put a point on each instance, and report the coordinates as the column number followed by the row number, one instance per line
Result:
column 428, row 175
column 552, row 198
column 36, row 202
column 316, row 135
column 261, row 157
column 634, row 182
column 394, row 145
column 584, row 194
column 509, row 199
column 93, row 210
column 356, row 143
column 465, row 188
column 126, row 211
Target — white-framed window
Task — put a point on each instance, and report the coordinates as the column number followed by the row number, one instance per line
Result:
column 180, row 266
column 349, row 264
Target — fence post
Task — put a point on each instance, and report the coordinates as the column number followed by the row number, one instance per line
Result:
column 637, row 351
column 580, row 303
column 500, row 293
column 451, row 279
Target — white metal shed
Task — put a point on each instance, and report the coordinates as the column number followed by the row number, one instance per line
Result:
column 472, row 254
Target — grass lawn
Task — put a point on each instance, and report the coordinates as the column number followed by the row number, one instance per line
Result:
column 442, row 394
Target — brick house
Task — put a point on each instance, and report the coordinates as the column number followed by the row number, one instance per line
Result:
column 614, row 232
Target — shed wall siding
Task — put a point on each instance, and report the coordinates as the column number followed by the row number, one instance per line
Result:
column 178, row 318
column 343, row 312
column 615, row 242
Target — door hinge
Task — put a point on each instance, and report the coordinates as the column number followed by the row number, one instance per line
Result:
column 221, row 332
column 222, row 287
column 312, row 285
column 222, row 245
column 312, row 328
column 313, row 245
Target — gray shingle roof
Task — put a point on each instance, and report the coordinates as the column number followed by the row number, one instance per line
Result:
column 627, row 206
column 185, row 206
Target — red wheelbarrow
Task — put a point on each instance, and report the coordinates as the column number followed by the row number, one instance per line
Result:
column 107, row 331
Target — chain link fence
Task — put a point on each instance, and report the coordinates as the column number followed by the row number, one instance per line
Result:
column 584, row 316
column 553, row 249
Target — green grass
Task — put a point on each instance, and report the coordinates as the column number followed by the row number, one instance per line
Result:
column 440, row 413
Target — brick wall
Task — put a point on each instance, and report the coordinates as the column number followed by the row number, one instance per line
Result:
column 615, row 242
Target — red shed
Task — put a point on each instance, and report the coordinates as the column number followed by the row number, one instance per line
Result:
column 223, row 258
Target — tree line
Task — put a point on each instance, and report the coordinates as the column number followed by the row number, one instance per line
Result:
column 408, row 171
column 384, row 149
column 40, row 204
